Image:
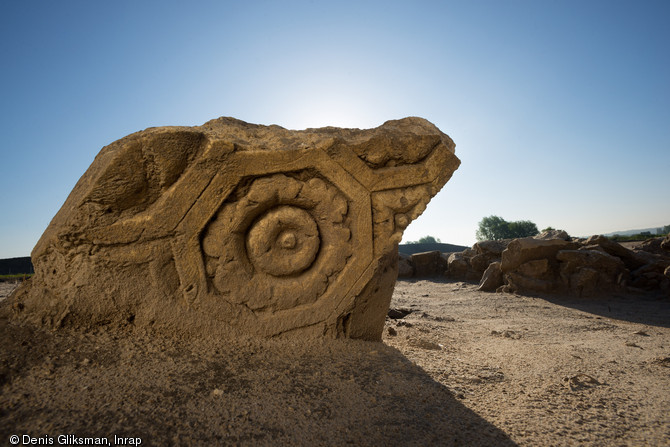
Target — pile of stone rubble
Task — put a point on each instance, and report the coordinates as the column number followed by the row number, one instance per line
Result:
column 552, row 262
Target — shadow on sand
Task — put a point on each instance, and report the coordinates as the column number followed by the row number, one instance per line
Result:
column 251, row 392
column 650, row 309
column 643, row 308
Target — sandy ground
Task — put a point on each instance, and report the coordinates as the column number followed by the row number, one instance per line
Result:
column 545, row 371
column 461, row 368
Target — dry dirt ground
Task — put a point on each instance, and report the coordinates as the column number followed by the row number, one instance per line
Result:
column 461, row 367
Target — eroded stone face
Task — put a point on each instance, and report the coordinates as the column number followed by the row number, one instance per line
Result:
column 232, row 226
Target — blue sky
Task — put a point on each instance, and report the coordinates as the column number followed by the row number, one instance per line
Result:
column 560, row 110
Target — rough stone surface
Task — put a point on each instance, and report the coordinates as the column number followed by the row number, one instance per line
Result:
column 519, row 283
column 665, row 243
column 651, row 275
column 492, row 278
column 405, row 267
column 480, row 262
column 522, row 250
column 233, row 226
column 654, row 245
column 538, row 268
column 429, row 263
column 492, row 248
column 591, row 272
column 458, row 266
column 532, row 276
column 552, row 262
column 632, row 259
column 470, row 264
column 553, row 234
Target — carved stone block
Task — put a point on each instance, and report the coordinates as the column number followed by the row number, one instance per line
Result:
column 232, row 227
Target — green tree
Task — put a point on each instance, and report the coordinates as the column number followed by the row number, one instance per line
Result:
column 495, row 228
column 521, row 228
column 426, row 240
column 492, row 228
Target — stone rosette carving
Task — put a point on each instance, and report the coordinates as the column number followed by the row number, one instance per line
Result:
column 284, row 241
column 233, row 226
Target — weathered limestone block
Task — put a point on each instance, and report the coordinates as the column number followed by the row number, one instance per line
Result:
column 458, row 266
column 552, row 234
column 630, row 258
column 236, row 227
column 537, row 275
column 652, row 245
column 429, row 263
column 591, row 272
column 492, row 278
column 665, row 243
column 522, row 250
column 529, row 265
column 493, row 249
column 652, row 275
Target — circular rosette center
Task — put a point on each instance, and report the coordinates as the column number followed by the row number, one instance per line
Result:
column 279, row 242
column 283, row 242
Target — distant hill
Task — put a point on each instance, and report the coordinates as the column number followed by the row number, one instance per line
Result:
column 410, row 249
column 15, row 266
column 631, row 232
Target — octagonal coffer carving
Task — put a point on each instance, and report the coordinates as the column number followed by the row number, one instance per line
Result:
column 234, row 228
column 278, row 242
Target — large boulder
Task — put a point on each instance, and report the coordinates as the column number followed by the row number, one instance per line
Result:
column 554, row 263
column 479, row 263
column 629, row 257
column 665, row 244
column 522, row 250
column 470, row 264
column 491, row 248
column 576, row 272
column 552, row 234
column 487, row 252
column 591, row 272
column 459, row 267
column 492, row 278
column 430, row 263
column 653, row 245
column 652, row 275
column 236, row 227
column 537, row 275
